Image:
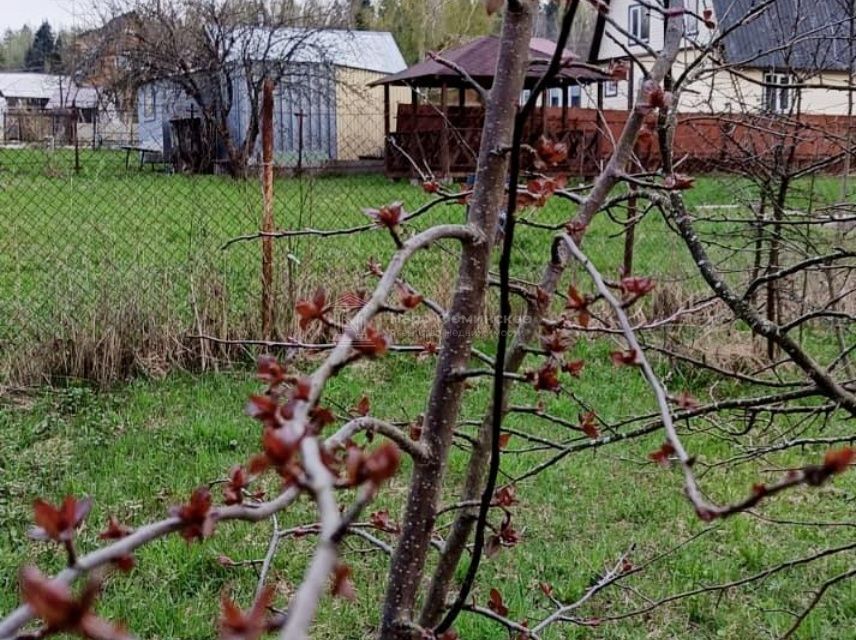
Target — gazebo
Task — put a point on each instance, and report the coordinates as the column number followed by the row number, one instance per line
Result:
column 443, row 136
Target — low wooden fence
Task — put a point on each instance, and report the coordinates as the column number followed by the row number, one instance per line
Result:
column 447, row 143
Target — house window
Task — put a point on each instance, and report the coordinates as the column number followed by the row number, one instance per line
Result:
column 638, row 23
column 690, row 19
column 610, row 88
column 576, row 97
column 150, row 103
column 779, row 92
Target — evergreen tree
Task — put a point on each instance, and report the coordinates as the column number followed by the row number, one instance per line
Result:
column 55, row 62
column 363, row 13
column 41, row 53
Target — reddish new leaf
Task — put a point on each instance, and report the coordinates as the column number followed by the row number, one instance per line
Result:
column 505, row 496
column 197, row 516
column 415, row 432
column 492, row 6
column 504, row 438
column 839, row 460
column 376, row 467
column 662, row 455
column 342, row 586
column 409, row 298
column 363, row 406
column 624, row 358
column 429, row 349
column 551, row 152
column 245, row 625
column 381, row 520
column 263, row 408
column 352, row 300
column 312, row 310
column 372, row 343
column 574, row 367
column 279, row 451
column 388, row 216
column 496, row 604
column 58, row 523
column 636, row 286
column 116, row 531
column 270, row 371
column 547, row 378
column 678, row 182
column 61, row 611
column 686, row 401
column 656, row 97
column 233, row 490
column 588, row 424
column 555, row 343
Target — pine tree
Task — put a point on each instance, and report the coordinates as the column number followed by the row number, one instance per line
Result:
column 363, row 14
column 55, row 62
column 40, row 54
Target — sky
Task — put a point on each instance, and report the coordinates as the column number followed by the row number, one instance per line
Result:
column 60, row 13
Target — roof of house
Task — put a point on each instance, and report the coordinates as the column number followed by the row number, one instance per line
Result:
column 28, row 85
column 73, row 96
column 815, row 38
column 478, row 58
column 370, row 50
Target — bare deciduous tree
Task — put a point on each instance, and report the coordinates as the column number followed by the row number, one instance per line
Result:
column 423, row 599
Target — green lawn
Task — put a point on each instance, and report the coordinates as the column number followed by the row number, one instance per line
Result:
column 137, row 255
column 142, row 448
column 104, row 252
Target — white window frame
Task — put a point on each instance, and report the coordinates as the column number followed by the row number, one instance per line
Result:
column 610, row 89
column 638, row 24
column 690, row 21
column 779, row 92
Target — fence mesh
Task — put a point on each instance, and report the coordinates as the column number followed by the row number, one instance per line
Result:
column 109, row 259
column 112, row 259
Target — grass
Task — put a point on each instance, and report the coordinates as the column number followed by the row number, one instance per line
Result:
column 73, row 246
column 136, row 255
column 142, row 448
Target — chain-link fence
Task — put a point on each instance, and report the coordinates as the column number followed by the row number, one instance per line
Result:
column 110, row 259
column 114, row 257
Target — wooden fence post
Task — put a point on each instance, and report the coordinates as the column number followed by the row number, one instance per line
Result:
column 267, row 212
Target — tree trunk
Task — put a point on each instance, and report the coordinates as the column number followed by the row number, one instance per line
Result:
column 441, row 414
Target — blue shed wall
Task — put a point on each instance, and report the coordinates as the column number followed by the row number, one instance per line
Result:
column 309, row 94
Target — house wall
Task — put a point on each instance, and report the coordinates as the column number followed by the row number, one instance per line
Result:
column 305, row 117
column 713, row 92
column 724, row 91
column 360, row 113
column 157, row 103
column 320, row 114
column 613, row 39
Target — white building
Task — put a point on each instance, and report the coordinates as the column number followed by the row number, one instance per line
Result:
column 785, row 58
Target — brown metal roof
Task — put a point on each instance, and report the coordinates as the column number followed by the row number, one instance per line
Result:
column 478, row 58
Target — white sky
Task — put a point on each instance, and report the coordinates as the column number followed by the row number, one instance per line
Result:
column 60, row 13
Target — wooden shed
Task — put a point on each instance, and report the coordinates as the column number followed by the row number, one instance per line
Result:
column 325, row 112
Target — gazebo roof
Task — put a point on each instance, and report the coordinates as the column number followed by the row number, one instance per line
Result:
column 478, row 58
